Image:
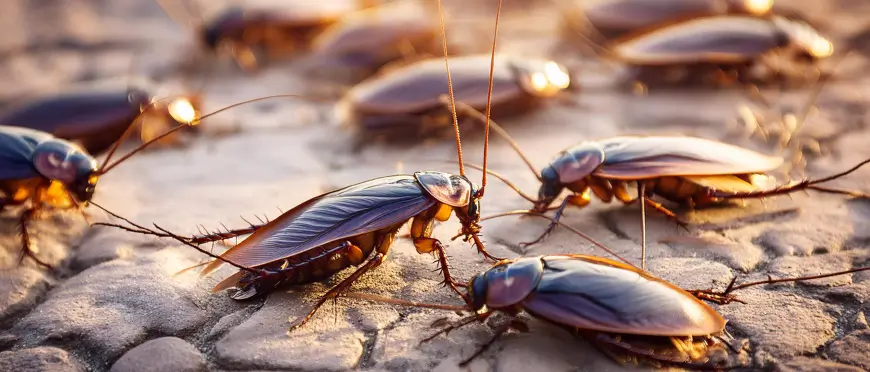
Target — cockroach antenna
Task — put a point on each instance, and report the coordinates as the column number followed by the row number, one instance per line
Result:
column 106, row 167
column 167, row 234
column 450, row 88
column 725, row 297
column 489, row 102
column 560, row 223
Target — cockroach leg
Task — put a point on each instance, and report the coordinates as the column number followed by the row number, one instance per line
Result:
column 501, row 330
column 461, row 323
column 421, row 233
column 832, row 190
column 481, row 249
column 26, row 251
column 641, row 193
column 552, row 225
column 344, row 285
column 667, row 212
column 722, row 298
column 715, row 297
column 797, row 186
column 445, row 268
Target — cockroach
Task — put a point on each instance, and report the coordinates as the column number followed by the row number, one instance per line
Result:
column 370, row 39
column 691, row 171
column 253, row 32
column 410, row 98
column 351, row 226
column 343, row 228
column 619, row 308
column 94, row 116
column 41, row 171
column 627, row 313
column 617, row 18
column 727, row 48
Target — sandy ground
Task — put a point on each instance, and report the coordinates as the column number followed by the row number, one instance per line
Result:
column 116, row 304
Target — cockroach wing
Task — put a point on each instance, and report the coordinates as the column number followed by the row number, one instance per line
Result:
column 358, row 35
column 637, row 158
column 16, row 152
column 719, row 38
column 418, row 86
column 447, row 188
column 72, row 116
column 588, row 292
column 347, row 212
column 631, row 14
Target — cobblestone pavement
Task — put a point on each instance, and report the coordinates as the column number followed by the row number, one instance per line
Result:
column 116, row 305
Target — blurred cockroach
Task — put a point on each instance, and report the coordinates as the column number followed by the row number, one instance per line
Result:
column 369, row 39
column 616, row 18
column 252, row 32
column 94, row 116
column 44, row 171
column 725, row 47
column 410, row 99
column 692, row 171
column 722, row 49
column 343, row 228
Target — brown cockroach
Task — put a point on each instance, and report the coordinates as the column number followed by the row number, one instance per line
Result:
column 410, row 99
column 366, row 41
column 723, row 50
column 41, row 171
column 691, row 171
column 727, row 48
column 253, row 32
column 95, row 115
column 629, row 314
column 612, row 19
column 352, row 226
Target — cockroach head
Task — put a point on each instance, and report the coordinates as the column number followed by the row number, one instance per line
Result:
column 551, row 187
column 474, row 202
column 68, row 164
column 476, row 293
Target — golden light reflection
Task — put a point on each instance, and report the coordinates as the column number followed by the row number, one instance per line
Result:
column 182, row 111
column 758, row 7
column 821, row 48
column 806, row 37
column 539, row 81
column 556, row 75
column 57, row 196
column 762, row 181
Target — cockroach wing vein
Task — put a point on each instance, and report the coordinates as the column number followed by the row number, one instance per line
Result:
column 341, row 214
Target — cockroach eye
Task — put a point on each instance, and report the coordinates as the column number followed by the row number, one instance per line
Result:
column 183, row 111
